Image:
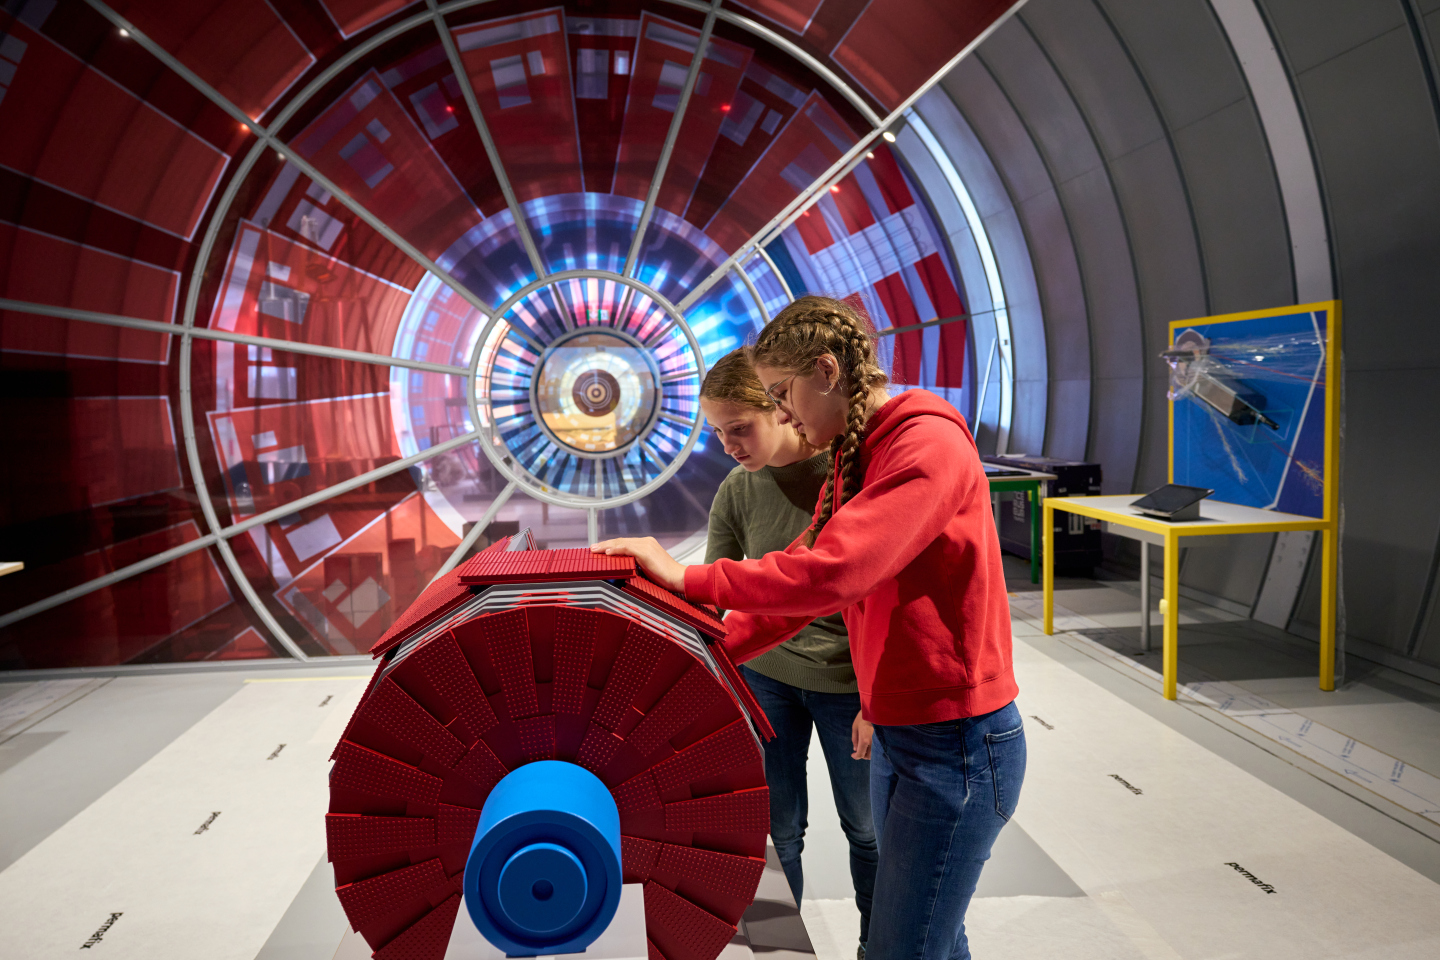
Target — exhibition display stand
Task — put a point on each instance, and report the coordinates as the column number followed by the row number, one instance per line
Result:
column 1276, row 446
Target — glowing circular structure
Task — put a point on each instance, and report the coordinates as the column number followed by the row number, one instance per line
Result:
column 595, row 393
column 587, row 403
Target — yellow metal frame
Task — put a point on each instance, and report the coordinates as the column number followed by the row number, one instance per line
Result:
column 1328, row 524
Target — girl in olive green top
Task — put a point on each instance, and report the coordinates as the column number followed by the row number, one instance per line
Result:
column 762, row 506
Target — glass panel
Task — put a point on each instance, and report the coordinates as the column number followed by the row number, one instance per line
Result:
column 242, row 48
column 275, row 426
column 876, row 46
column 870, row 235
column 179, row 610
column 367, row 557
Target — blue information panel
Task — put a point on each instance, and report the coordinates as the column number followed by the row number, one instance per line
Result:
column 1249, row 407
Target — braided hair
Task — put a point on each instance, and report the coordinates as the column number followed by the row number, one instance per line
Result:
column 799, row 335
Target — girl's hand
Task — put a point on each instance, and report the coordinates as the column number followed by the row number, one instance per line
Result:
column 653, row 559
column 862, row 731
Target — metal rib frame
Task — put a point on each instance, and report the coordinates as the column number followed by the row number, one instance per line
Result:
column 671, row 136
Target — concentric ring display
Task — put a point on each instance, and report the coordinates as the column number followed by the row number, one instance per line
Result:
column 285, row 277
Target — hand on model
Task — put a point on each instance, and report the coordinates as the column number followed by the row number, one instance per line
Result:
column 653, row 559
column 862, row 731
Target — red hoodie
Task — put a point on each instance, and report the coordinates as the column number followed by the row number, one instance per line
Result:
column 911, row 561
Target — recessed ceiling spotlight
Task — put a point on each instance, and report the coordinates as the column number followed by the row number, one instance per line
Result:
column 834, row 189
column 870, row 156
column 124, row 32
column 889, row 137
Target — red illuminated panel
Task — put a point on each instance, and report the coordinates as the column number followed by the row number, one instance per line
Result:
column 275, row 287
column 42, row 269
column 279, row 452
column 352, row 16
column 370, row 147
column 950, row 366
column 422, row 80
column 662, row 61
column 361, row 586
column 520, row 70
column 120, row 622
column 809, row 145
column 895, row 48
column 909, row 346
column 69, row 126
column 242, row 48
column 794, row 15
column 854, row 211
column 603, row 59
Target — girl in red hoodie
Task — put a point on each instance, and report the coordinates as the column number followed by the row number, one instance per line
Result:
column 904, row 546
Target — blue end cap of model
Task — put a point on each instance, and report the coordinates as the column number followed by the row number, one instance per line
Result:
column 544, row 869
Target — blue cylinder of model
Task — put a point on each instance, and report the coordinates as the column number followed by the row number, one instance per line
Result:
column 544, row 869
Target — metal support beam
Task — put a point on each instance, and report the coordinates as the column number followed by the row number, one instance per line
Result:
column 201, row 333
column 671, row 136
column 764, row 254
column 476, row 531
column 847, row 161
column 754, row 293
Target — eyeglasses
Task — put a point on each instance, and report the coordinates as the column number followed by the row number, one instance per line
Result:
column 770, row 391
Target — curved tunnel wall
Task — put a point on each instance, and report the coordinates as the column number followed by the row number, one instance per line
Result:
column 1196, row 157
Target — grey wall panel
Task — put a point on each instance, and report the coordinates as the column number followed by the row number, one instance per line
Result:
column 1374, row 128
column 1183, row 55
column 1238, row 210
column 1228, row 567
column 1097, row 71
column 1125, row 398
column 1313, row 31
column 1067, row 333
column 1390, row 520
column 973, row 90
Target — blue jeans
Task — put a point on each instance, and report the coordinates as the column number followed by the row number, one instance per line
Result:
column 942, row 791
column 791, row 712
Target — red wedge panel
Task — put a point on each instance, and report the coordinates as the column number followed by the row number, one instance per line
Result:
column 638, row 858
column 638, row 656
column 637, row 795
column 536, row 737
column 439, row 598
column 392, row 710
column 726, row 749
column 695, row 692
column 705, row 619
column 371, row 899
column 743, row 691
column 597, row 749
column 526, row 566
column 508, row 640
column 574, row 650
column 724, row 873
column 352, row 835
column 427, row 939
column 445, row 667
column 456, row 824
column 744, row 811
column 680, row 929
column 481, row 766
column 369, row 772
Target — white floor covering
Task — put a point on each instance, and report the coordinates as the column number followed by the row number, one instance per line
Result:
column 1152, row 875
column 136, row 868
column 1161, row 869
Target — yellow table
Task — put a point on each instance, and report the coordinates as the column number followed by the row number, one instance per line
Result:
column 1217, row 519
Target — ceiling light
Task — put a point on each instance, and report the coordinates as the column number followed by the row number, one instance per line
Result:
column 889, row 137
column 124, row 32
column 870, row 156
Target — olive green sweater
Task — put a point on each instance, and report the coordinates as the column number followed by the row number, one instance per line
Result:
column 756, row 513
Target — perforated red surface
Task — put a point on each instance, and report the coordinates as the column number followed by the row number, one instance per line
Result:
column 705, row 619
column 527, row 566
column 438, row 599
column 451, row 717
